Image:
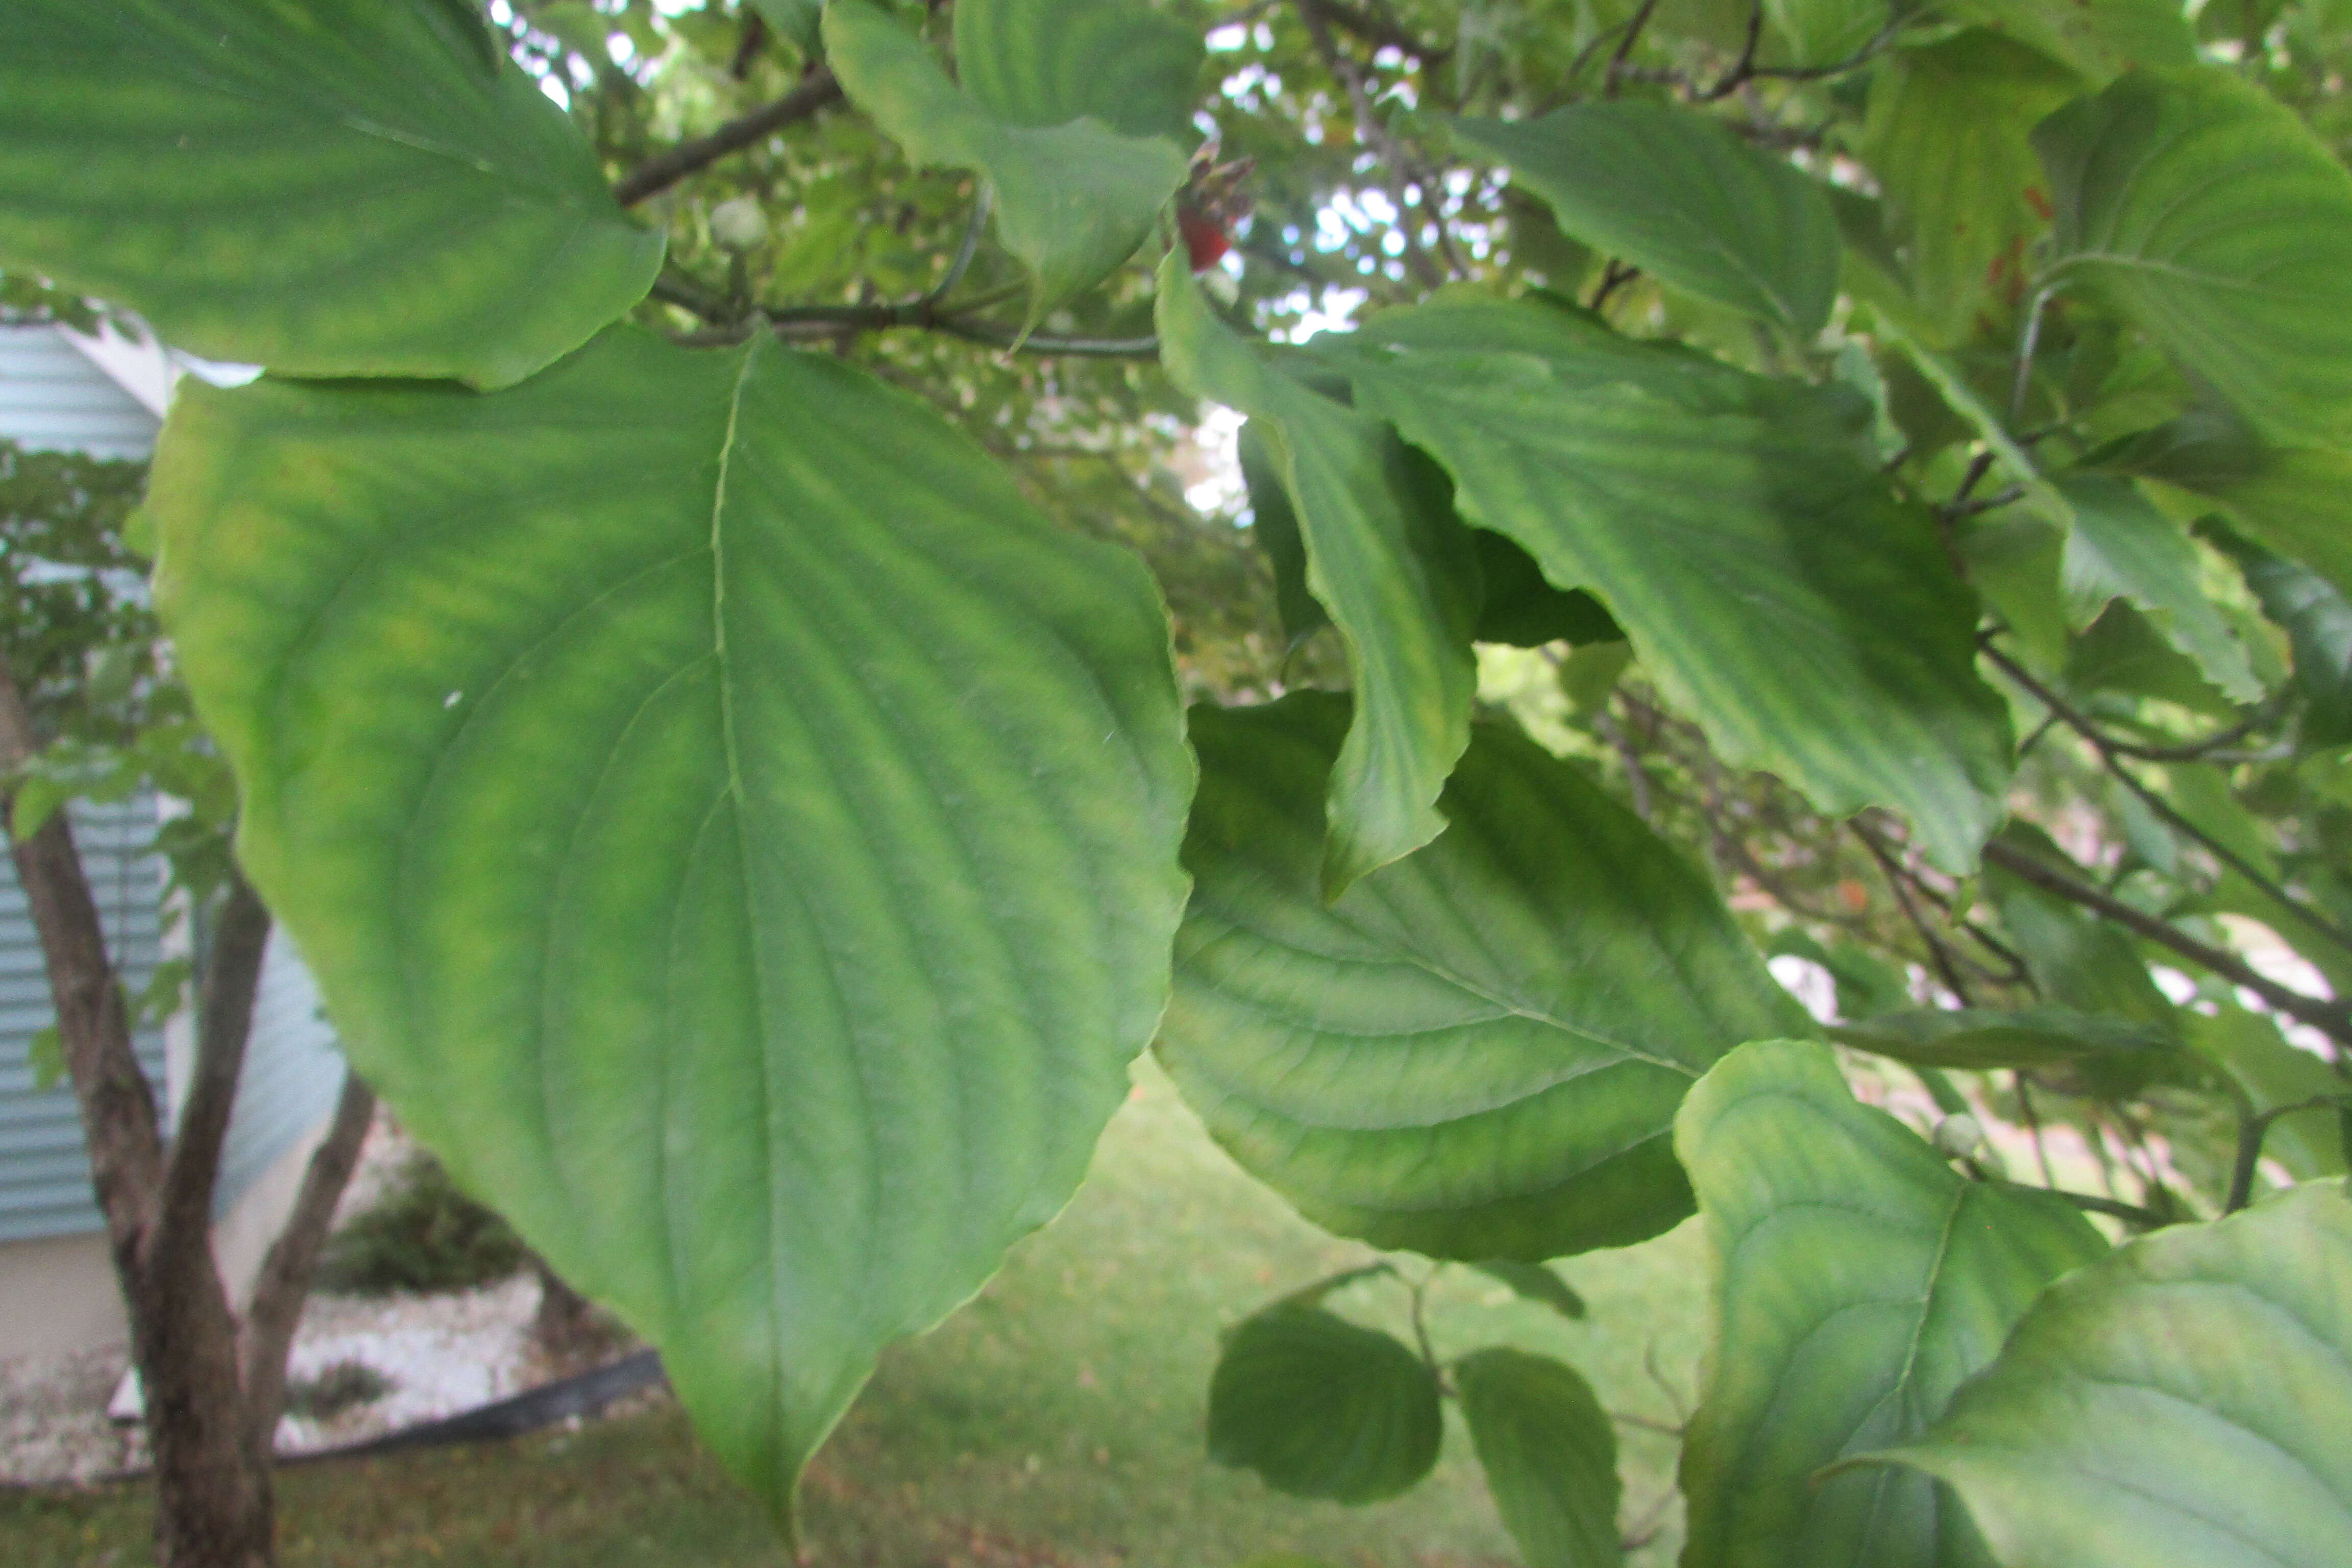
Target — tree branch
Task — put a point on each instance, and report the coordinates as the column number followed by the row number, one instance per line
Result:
column 225, row 1020
column 284, row 1282
column 117, row 1103
column 2333, row 1019
column 2105, row 750
column 817, row 90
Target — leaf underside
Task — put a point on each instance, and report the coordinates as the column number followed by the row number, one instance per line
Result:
column 1476, row 1052
column 733, row 830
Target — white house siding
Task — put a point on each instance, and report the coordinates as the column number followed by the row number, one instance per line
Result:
column 44, row 1174
column 61, row 394
column 54, row 399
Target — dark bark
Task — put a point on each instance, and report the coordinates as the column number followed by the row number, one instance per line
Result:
column 284, row 1282
column 213, row 1507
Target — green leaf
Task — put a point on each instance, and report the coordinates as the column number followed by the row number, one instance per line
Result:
column 2014, row 464
column 2122, row 651
column 326, row 187
column 1948, row 137
column 2204, row 210
column 1273, row 523
column 733, row 829
column 799, row 20
column 1473, row 1053
column 1519, row 607
column 1753, row 557
column 45, row 1055
column 2274, row 1073
column 1074, row 198
column 2077, row 960
column 1321, row 1407
column 1391, row 565
column 2121, row 545
column 2318, row 618
column 2101, row 39
column 1678, row 195
column 1549, row 1455
column 1859, row 1281
column 1826, row 32
column 2181, row 1401
column 1985, row 1037
column 1042, row 63
column 1534, row 1282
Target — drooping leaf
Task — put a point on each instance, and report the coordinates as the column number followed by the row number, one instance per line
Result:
column 1753, row 557
column 1534, row 1282
column 1322, row 1407
column 1476, row 1052
column 1859, row 1279
column 734, row 831
column 1678, row 195
column 326, row 187
column 1273, row 523
column 2181, row 1401
column 2204, row 210
column 1044, row 63
column 1986, row 1038
column 1549, row 1455
column 1948, row 137
column 1389, row 563
column 1074, row 198
column 2318, row 618
column 2121, row 545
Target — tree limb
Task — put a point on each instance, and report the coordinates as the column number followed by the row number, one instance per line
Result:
column 2333, row 1019
column 284, row 1282
column 223, row 1023
column 117, row 1103
column 818, row 90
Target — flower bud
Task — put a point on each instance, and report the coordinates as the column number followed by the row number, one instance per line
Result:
column 1957, row 1137
column 738, row 224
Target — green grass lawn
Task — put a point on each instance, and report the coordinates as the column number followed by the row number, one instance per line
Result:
column 1056, row 1420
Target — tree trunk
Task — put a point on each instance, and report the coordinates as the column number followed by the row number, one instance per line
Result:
column 211, row 1403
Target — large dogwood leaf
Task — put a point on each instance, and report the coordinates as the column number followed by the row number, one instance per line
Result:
column 1391, row 565
column 2206, row 212
column 1075, row 193
column 1755, row 561
column 1859, row 1279
column 2180, row 1402
column 1476, row 1052
column 1679, row 195
column 733, row 829
column 326, row 187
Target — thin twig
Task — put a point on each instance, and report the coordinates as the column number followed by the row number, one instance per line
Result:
column 2333, row 1019
column 1373, row 136
column 2116, row 1208
column 2252, row 1130
column 2100, row 746
column 1897, row 879
column 1634, row 30
column 966, row 248
column 817, row 90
